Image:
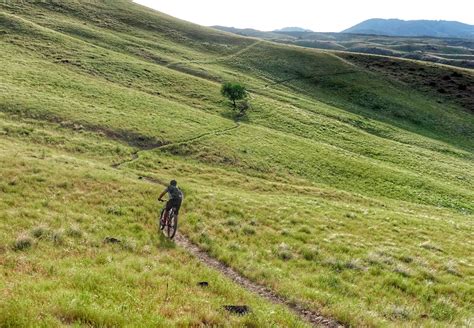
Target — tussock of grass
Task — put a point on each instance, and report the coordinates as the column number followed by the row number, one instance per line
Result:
column 399, row 313
column 429, row 246
column 40, row 232
column 74, row 231
column 284, row 252
column 310, row 253
column 22, row 243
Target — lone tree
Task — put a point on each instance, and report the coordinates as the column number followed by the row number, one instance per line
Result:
column 234, row 91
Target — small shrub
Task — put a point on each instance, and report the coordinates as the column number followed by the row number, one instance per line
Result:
column 305, row 230
column 129, row 245
column 452, row 268
column 147, row 249
column 431, row 247
column 310, row 253
column 336, row 265
column 399, row 313
column 285, row 255
column 249, row 231
column 74, row 232
column 22, row 243
column 351, row 215
column 232, row 222
column 114, row 210
column 379, row 259
column 406, row 259
column 63, row 185
column 40, row 232
column 57, row 237
column 405, row 272
column 284, row 252
column 355, row 264
column 285, row 232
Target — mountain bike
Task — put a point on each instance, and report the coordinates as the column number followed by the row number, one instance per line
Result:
column 168, row 225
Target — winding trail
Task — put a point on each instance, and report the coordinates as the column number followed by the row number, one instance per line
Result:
column 136, row 153
column 215, row 60
column 312, row 317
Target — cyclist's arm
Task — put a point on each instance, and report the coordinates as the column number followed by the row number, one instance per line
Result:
column 162, row 194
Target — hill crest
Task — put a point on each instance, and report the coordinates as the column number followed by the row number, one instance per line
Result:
column 398, row 27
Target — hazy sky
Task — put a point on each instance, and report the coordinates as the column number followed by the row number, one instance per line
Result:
column 323, row 16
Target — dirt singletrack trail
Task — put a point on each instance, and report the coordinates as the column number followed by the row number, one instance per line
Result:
column 217, row 59
column 312, row 317
column 136, row 154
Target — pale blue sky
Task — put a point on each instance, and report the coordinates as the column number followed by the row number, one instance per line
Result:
column 324, row 16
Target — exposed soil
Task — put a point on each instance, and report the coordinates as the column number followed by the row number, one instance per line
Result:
column 315, row 318
column 130, row 138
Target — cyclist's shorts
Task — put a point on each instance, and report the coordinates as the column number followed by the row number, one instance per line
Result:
column 173, row 202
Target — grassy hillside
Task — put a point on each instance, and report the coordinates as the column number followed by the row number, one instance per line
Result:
column 449, row 51
column 398, row 27
column 346, row 189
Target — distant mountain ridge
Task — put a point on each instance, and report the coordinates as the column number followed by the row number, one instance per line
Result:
column 247, row 32
column 293, row 29
column 398, row 27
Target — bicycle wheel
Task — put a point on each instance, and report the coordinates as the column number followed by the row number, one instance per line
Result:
column 161, row 223
column 172, row 223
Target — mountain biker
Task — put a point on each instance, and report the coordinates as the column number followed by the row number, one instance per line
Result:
column 175, row 196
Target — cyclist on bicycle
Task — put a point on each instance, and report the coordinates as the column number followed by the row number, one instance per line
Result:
column 175, row 196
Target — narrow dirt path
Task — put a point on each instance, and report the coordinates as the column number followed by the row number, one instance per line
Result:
column 201, row 136
column 310, row 316
column 215, row 60
column 136, row 154
column 314, row 318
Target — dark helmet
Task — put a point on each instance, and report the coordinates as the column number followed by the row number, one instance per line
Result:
column 173, row 183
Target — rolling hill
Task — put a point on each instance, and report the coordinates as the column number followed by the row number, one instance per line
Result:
column 448, row 51
column 398, row 27
column 346, row 190
column 292, row 29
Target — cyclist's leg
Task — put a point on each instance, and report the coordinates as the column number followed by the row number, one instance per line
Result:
column 169, row 205
column 177, row 205
column 162, row 218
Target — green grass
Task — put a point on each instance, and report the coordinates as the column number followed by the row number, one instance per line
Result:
column 57, row 209
column 344, row 188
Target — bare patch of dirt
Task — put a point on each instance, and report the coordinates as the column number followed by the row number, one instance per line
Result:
column 315, row 318
column 131, row 138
